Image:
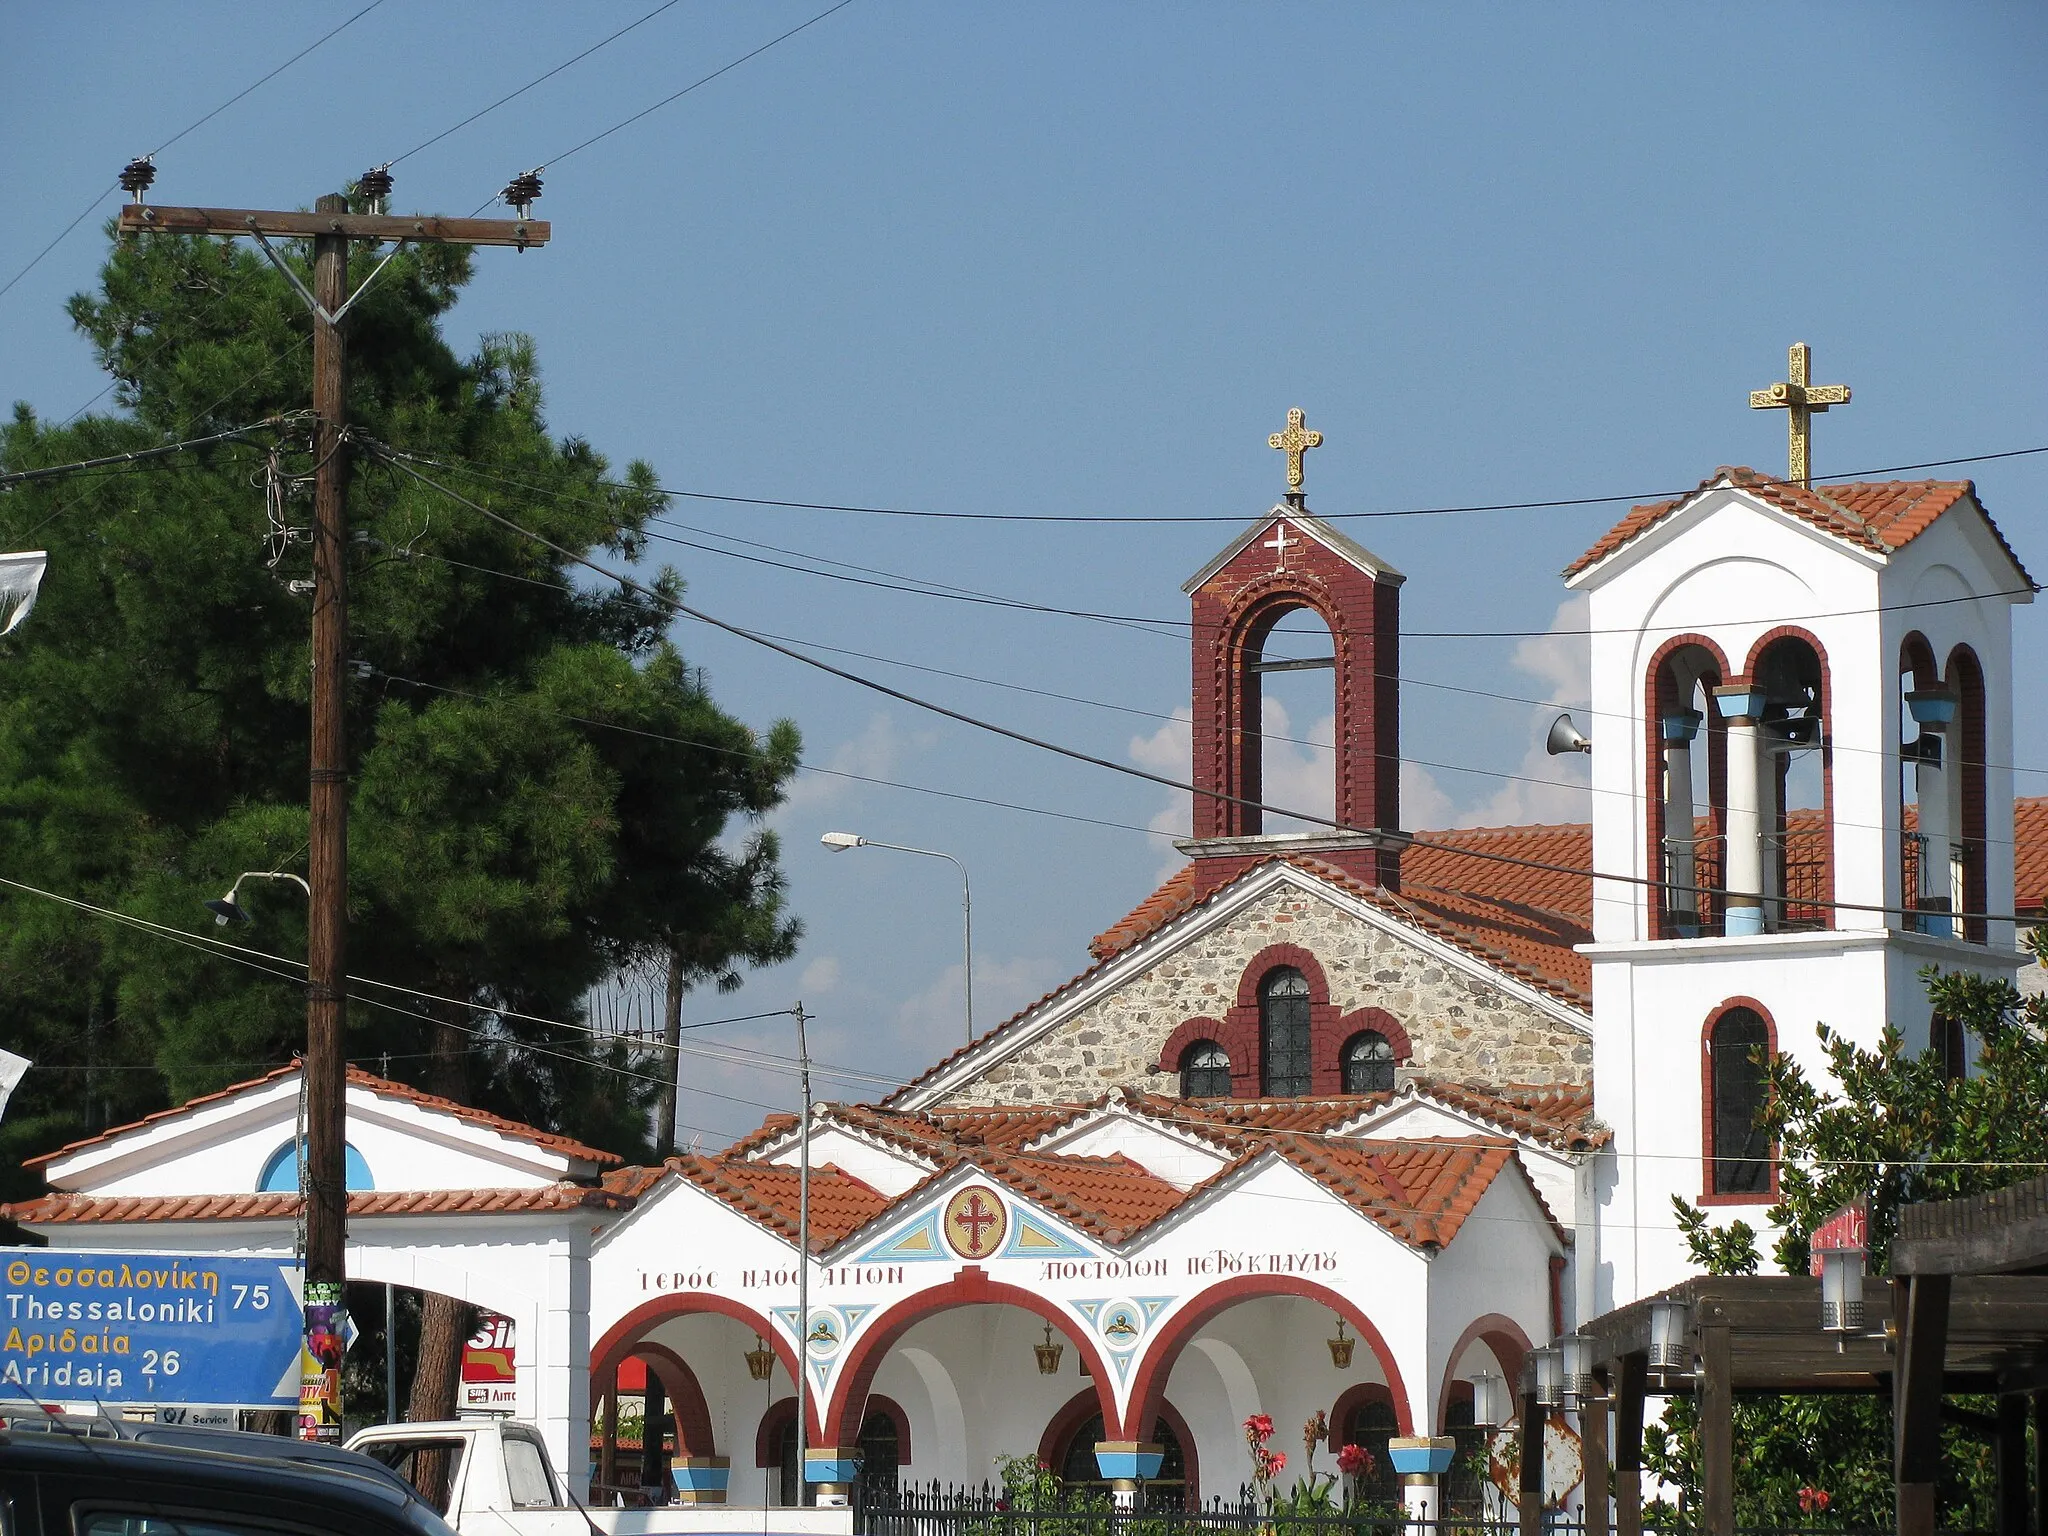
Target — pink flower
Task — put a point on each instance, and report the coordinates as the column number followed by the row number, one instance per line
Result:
column 1259, row 1427
column 1279, row 1461
column 1354, row 1461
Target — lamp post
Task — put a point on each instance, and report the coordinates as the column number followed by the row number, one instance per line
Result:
column 839, row 842
column 228, row 910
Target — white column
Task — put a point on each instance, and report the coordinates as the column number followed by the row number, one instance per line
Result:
column 1682, row 901
column 1931, row 785
column 1739, row 704
column 562, row 1354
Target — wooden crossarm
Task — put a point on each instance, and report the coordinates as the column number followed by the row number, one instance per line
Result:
column 146, row 218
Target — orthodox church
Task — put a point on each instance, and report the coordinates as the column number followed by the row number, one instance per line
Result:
column 1344, row 1121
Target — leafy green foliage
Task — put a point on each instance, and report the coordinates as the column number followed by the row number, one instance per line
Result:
column 509, row 848
column 1892, row 1127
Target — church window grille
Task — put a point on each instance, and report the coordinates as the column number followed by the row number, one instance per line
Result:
column 1205, row 1071
column 1370, row 1425
column 1742, row 1145
column 1079, row 1469
column 881, row 1457
column 1284, row 1033
column 1368, row 1063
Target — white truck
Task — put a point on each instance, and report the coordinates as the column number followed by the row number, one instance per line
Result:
column 492, row 1477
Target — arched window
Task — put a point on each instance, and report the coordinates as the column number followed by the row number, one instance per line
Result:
column 280, row 1174
column 881, row 1455
column 1205, row 1071
column 1945, row 1040
column 1370, row 1424
column 1078, row 1468
column 1737, row 1045
column 1793, row 785
column 1284, row 1033
column 1368, row 1063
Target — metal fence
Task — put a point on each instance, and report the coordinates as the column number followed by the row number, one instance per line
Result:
column 937, row 1510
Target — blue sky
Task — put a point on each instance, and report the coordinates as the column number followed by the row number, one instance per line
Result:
column 1081, row 259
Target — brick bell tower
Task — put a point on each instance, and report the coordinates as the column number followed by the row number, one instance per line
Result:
column 1288, row 560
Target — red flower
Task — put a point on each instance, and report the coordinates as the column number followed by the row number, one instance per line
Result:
column 1259, row 1427
column 1354, row 1461
column 1814, row 1500
column 1279, row 1461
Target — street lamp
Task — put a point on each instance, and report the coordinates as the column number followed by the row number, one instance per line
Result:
column 228, row 910
column 839, row 842
column 20, row 576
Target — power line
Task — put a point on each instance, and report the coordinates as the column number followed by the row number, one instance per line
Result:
column 1075, row 754
column 917, row 586
column 140, row 455
column 686, row 90
column 1114, row 519
column 536, row 80
column 101, row 196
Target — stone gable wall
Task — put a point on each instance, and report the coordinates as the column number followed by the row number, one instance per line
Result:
column 1460, row 1026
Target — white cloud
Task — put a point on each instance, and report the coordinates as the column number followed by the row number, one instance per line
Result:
column 932, row 1021
column 877, row 752
column 819, row 977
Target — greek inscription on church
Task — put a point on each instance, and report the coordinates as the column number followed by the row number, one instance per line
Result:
column 771, row 1279
column 1222, row 1261
column 1101, row 1269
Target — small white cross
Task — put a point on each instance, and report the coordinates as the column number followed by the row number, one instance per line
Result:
column 1280, row 544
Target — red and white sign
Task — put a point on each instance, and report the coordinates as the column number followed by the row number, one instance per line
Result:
column 1847, row 1231
column 489, row 1381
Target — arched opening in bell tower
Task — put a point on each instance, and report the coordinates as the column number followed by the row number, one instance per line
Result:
column 1290, row 716
column 1688, row 798
column 1793, row 778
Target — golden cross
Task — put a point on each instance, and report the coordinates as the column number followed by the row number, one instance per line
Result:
column 1800, row 401
column 1294, row 442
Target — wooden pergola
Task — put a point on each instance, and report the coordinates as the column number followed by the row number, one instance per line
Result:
column 1965, row 1312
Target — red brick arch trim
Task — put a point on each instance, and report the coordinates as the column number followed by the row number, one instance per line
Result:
column 780, row 1415
column 621, row 1338
column 1353, row 1398
column 1510, row 1346
column 892, row 1410
column 1768, row 1195
column 1229, row 1036
column 1763, row 643
column 1713, row 737
column 971, row 1287
column 1148, row 1385
column 1347, row 1029
column 1247, row 1072
column 1084, row 1405
column 685, row 1398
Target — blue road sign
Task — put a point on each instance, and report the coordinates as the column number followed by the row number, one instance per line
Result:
column 140, row 1328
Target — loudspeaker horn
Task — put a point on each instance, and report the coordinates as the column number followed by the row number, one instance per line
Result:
column 1564, row 737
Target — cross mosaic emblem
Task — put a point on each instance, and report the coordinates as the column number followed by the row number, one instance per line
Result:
column 975, row 1222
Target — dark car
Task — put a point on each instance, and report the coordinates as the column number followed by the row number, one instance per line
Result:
column 54, row 1483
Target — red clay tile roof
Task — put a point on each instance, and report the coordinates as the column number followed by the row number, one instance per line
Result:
column 767, row 1194
column 1558, row 1113
column 1112, row 1197
column 1422, row 1192
column 1176, row 896
column 1881, row 515
column 2030, row 854
column 63, row 1209
column 358, row 1078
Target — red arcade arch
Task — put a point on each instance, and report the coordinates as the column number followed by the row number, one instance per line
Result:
column 1502, row 1335
column 621, row 1339
column 1148, row 1386
column 971, row 1287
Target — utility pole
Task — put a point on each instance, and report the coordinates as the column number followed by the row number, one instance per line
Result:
column 330, row 227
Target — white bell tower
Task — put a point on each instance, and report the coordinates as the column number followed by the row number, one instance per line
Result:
column 1802, row 721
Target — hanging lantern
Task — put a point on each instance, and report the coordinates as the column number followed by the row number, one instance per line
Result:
column 1341, row 1347
column 1548, row 1364
column 1048, row 1354
column 1841, row 1291
column 1490, row 1408
column 760, row 1360
column 1575, row 1353
column 1670, row 1350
